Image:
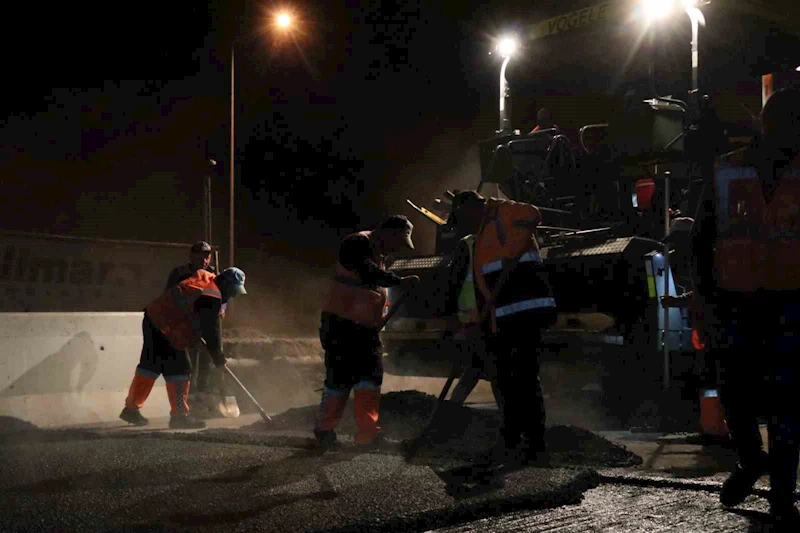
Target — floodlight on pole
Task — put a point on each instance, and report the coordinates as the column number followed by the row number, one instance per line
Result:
column 506, row 47
column 657, row 9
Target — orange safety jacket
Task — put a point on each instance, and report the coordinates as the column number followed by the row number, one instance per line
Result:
column 175, row 312
column 758, row 241
column 350, row 298
column 500, row 240
column 539, row 128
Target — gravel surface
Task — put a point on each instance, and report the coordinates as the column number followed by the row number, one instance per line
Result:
column 183, row 482
column 461, row 431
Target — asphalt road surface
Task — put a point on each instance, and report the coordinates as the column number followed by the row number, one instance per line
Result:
column 232, row 480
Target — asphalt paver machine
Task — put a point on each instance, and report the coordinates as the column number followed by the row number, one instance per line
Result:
column 608, row 192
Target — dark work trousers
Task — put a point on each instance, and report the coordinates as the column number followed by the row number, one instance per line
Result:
column 159, row 357
column 758, row 345
column 478, row 363
column 205, row 380
column 353, row 360
column 515, row 349
column 350, row 361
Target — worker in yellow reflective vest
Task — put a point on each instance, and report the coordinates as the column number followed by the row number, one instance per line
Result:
column 469, row 336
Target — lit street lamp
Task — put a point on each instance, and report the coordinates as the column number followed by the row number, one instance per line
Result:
column 284, row 22
column 506, row 48
column 658, row 9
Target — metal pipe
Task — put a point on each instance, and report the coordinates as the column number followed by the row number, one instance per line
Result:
column 666, row 281
column 207, row 205
column 697, row 18
column 504, row 123
column 583, row 130
column 232, row 166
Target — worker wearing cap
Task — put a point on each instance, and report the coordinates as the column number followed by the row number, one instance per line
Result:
column 174, row 322
column 352, row 316
column 514, row 294
column 747, row 247
column 199, row 259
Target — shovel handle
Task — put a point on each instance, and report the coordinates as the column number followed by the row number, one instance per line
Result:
column 394, row 309
column 264, row 415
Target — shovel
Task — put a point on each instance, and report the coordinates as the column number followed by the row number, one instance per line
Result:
column 261, row 411
column 412, row 446
column 220, row 401
column 226, row 404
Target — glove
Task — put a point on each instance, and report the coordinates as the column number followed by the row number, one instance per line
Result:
column 409, row 282
column 219, row 360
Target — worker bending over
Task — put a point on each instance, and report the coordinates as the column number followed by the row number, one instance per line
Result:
column 174, row 322
column 352, row 316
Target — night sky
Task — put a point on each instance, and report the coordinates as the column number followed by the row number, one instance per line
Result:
column 111, row 113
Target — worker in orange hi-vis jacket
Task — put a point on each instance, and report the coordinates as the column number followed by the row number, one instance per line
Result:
column 174, row 322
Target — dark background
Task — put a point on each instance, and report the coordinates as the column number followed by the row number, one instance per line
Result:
column 110, row 113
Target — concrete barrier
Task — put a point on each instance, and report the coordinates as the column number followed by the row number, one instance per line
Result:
column 67, row 369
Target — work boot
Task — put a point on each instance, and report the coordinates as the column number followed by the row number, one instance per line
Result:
column 326, row 439
column 785, row 515
column 133, row 416
column 378, row 443
column 740, row 483
column 185, row 422
column 495, row 456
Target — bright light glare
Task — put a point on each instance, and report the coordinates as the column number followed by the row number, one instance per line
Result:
column 656, row 9
column 283, row 20
column 507, row 46
column 798, row 69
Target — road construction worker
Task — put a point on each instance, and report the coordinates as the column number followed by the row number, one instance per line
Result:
column 746, row 241
column 199, row 259
column 352, row 316
column 511, row 281
column 478, row 364
column 174, row 322
column 544, row 121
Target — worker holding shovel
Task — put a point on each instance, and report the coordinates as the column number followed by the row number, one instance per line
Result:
column 517, row 303
column 175, row 321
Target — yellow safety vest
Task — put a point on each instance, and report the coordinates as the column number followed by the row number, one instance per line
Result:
column 467, row 300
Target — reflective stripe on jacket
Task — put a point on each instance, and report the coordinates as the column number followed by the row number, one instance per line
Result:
column 507, row 233
column 174, row 313
column 467, row 299
column 350, row 298
column 758, row 241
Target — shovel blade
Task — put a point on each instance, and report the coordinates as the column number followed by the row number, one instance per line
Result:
column 228, row 407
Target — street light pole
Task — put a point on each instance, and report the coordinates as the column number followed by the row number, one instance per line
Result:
column 232, row 165
column 504, row 125
column 506, row 47
column 284, row 22
column 697, row 18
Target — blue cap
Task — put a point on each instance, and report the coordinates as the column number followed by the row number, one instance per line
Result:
column 235, row 278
